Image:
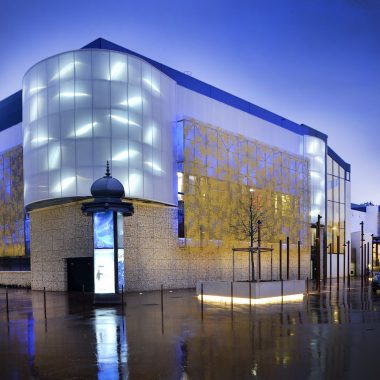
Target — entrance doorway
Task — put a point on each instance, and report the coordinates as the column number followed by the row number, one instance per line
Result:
column 80, row 273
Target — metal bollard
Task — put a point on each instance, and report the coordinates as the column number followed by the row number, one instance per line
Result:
column 45, row 302
column 7, row 301
column 202, row 300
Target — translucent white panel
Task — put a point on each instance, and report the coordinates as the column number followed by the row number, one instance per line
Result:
column 100, row 65
column 99, row 106
column 120, row 152
column 83, row 123
column 68, row 182
column 135, row 155
column 134, row 71
column 42, row 103
column 83, row 64
column 119, row 124
column 102, row 151
column 84, row 180
column 148, row 186
column 54, row 127
column 156, row 82
column 68, row 153
column 33, row 135
column 119, row 95
column 67, row 124
column 42, row 138
column 55, row 183
column 66, row 67
column 54, row 155
column 83, row 92
column 32, row 82
column 84, row 152
column 102, row 118
column 102, row 94
column 135, row 184
column 53, row 99
column 119, row 67
column 66, row 95
column 33, row 108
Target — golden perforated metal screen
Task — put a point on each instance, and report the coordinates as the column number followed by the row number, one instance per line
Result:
column 224, row 173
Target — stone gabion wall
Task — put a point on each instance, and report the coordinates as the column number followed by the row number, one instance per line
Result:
column 153, row 253
column 57, row 233
column 19, row 278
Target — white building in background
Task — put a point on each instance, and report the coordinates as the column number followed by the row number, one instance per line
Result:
column 369, row 215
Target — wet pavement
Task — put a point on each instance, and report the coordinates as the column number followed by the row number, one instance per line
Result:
column 334, row 335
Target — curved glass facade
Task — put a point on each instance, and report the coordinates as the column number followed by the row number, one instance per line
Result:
column 82, row 108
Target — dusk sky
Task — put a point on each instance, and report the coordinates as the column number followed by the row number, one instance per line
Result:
column 315, row 62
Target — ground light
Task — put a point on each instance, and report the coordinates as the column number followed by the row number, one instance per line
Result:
column 254, row 301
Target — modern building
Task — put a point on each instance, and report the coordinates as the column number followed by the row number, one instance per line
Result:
column 194, row 160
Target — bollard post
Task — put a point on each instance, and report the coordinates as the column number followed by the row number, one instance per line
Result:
column 337, row 260
column 232, row 297
column 202, row 300
column 287, row 257
column 250, row 296
column 45, row 302
column 162, row 299
column 122, row 298
column 162, row 308
column 299, row 260
column 367, row 267
column 271, row 263
column 307, row 285
column 344, row 264
column 282, row 291
column 280, row 254
column 7, row 302
column 348, row 265
column 330, row 253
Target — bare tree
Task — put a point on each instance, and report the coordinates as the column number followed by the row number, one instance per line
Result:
column 251, row 221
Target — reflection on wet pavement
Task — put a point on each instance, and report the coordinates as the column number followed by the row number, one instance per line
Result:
column 333, row 335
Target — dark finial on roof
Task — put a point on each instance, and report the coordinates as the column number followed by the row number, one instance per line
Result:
column 108, row 173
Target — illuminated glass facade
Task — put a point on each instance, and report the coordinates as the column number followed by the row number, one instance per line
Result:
column 12, row 217
column 315, row 151
column 336, row 204
column 85, row 107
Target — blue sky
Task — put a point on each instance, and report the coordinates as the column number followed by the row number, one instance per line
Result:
column 315, row 62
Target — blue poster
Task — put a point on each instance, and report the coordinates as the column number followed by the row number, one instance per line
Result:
column 103, row 229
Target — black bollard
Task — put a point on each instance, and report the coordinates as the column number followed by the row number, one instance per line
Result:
column 7, row 301
column 122, row 298
column 162, row 308
column 348, row 265
column 299, row 259
column 45, row 302
column 202, row 300
column 280, row 256
column 287, row 257
column 232, row 297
